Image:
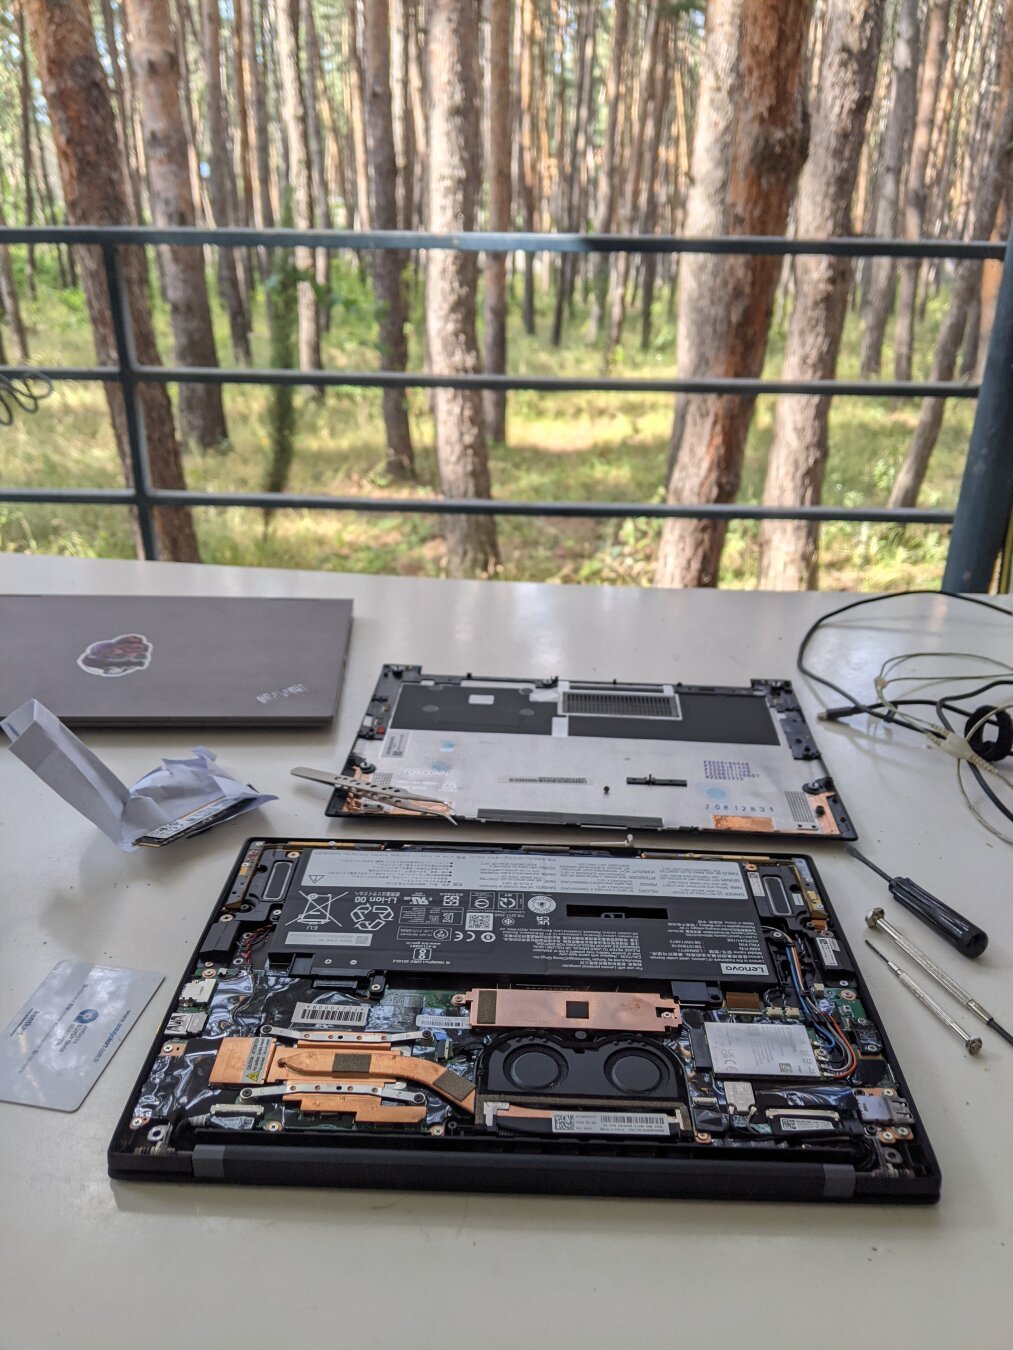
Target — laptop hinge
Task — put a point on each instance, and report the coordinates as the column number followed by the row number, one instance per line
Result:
column 838, row 1181
column 209, row 1162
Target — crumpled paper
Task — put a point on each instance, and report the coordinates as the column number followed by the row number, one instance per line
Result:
column 41, row 741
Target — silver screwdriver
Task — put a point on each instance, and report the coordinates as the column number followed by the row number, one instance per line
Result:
column 972, row 1044
column 876, row 919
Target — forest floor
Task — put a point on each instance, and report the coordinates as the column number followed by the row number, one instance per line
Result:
column 590, row 446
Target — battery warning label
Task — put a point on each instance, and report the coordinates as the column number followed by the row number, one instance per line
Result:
column 537, row 915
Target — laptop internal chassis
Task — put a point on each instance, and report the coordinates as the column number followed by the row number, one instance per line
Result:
column 591, row 1020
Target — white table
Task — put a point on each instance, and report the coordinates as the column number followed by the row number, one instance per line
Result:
column 89, row 1263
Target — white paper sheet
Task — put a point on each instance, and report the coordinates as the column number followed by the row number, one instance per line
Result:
column 52, row 751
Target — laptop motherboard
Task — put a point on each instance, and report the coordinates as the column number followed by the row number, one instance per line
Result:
column 594, row 1020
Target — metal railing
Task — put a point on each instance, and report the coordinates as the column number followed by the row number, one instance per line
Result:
column 980, row 520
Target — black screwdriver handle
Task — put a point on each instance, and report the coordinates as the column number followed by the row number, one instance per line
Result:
column 958, row 931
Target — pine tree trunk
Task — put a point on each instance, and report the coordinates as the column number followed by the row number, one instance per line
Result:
column 914, row 192
column 570, row 198
column 420, row 123
column 9, row 302
column 218, row 186
column 49, row 204
column 317, row 155
column 662, row 86
column 526, row 149
column 605, row 213
column 798, row 452
column 942, row 121
column 882, row 271
column 125, row 122
column 358, row 116
column 84, row 133
column 388, row 264
column 500, row 124
column 156, row 68
column 992, row 182
column 452, row 62
column 286, row 15
column 25, row 86
column 184, row 23
column 257, row 105
column 620, row 270
column 748, row 147
column 241, row 77
column 401, row 110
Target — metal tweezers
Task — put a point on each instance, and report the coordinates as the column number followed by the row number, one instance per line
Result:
column 367, row 794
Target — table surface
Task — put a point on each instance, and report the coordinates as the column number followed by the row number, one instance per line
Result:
column 92, row 1263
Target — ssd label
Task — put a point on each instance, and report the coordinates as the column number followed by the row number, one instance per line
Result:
column 609, row 1122
column 804, row 1124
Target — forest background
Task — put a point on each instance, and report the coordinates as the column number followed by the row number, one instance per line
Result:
column 812, row 118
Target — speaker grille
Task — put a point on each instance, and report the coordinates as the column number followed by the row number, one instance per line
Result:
column 587, row 703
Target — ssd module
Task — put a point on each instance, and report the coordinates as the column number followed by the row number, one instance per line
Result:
column 592, row 1020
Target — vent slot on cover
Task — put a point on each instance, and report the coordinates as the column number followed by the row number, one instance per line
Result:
column 587, row 703
column 801, row 811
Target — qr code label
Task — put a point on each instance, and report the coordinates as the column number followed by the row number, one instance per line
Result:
column 479, row 923
column 609, row 1122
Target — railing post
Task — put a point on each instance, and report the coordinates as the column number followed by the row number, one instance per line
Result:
column 985, row 503
column 126, row 360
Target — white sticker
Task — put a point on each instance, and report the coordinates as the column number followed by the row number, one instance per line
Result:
column 478, row 922
column 756, row 882
column 742, row 968
column 443, row 1021
column 328, row 939
column 256, row 1060
column 553, row 874
column 333, row 1014
column 395, row 745
column 829, row 949
column 760, row 1050
column 609, row 1122
column 482, row 698
column 806, row 1123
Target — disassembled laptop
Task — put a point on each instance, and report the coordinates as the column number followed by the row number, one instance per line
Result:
column 597, row 1020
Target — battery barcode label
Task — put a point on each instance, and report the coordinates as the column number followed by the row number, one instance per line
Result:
column 332, row 1014
column 443, row 1022
column 609, row 1122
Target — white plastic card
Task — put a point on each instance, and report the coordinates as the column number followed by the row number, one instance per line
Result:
column 55, row 1048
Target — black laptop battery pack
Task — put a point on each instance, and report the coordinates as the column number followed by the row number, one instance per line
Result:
column 513, row 1018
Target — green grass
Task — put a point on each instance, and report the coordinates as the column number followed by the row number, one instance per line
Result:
column 593, row 446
